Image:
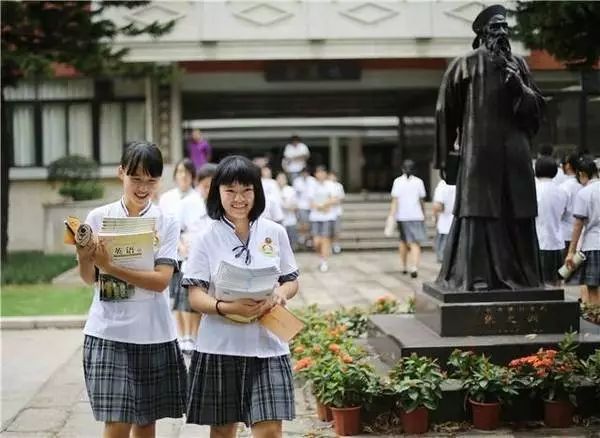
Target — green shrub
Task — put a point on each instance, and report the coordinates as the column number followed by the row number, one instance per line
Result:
column 28, row 267
column 78, row 177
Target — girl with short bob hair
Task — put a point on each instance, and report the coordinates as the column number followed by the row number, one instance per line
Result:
column 240, row 372
column 134, row 371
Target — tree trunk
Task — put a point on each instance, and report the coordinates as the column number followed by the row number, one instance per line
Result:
column 6, row 160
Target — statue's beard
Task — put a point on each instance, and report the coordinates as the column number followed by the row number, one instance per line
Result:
column 498, row 45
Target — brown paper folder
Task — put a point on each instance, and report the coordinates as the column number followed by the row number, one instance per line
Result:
column 283, row 323
column 71, row 225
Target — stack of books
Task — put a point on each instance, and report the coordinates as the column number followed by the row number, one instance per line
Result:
column 130, row 241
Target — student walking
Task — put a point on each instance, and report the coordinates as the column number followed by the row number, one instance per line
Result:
column 322, row 215
column 571, row 186
column 134, row 370
column 289, row 204
column 303, row 186
column 551, row 205
column 586, row 211
column 240, row 372
column 339, row 194
column 443, row 207
column 408, row 192
column 172, row 203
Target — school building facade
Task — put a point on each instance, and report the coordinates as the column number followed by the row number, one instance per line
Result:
column 357, row 80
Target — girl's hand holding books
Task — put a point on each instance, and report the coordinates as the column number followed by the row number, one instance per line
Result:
column 245, row 307
column 102, row 258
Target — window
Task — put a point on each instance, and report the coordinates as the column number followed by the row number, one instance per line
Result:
column 51, row 119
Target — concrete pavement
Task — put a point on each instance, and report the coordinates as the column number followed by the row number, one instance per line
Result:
column 43, row 392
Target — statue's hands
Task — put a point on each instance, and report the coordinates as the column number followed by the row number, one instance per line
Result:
column 513, row 79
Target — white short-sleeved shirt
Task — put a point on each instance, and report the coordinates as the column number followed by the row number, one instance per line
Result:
column 340, row 194
column 291, row 152
column 560, row 176
column 570, row 186
column 218, row 335
column 303, row 185
column 409, row 191
column 170, row 202
column 551, row 205
column 587, row 207
column 445, row 195
column 273, row 201
column 289, row 204
column 320, row 192
column 147, row 319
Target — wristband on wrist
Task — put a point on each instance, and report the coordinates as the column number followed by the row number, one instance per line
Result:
column 217, row 308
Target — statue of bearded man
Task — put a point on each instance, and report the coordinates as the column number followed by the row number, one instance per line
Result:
column 489, row 106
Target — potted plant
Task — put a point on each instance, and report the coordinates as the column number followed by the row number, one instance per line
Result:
column 416, row 380
column 346, row 388
column 385, row 304
column 462, row 363
column 78, row 177
column 487, row 388
column 558, row 372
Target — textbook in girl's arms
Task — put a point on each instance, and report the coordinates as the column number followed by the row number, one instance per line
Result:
column 130, row 242
column 234, row 282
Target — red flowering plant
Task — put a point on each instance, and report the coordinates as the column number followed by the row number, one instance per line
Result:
column 385, row 304
column 556, row 373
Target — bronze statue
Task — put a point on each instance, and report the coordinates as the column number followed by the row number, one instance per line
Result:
column 489, row 106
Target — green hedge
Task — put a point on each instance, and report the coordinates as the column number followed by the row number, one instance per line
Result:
column 29, row 267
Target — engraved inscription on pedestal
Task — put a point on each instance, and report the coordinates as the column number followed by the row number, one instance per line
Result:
column 513, row 319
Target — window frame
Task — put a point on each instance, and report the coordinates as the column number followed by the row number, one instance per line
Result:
column 38, row 104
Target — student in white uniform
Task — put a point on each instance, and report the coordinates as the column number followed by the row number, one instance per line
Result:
column 340, row 194
column 302, row 184
column 322, row 215
column 551, row 205
column 295, row 157
column 289, row 203
column 586, row 211
column 443, row 206
column 408, row 192
column 134, row 370
column 240, row 372
column 273, row 209
column 570, row 186
column 172, row 203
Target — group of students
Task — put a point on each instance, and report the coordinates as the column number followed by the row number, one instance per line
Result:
column 568, row 220
column 310, row 208
column 133, row 365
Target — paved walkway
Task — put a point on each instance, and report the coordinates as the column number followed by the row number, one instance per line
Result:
column 43, row 392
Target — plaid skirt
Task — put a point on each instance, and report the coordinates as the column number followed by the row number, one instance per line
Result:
column 589, row 272
column 236, row 389
column 134, row 383
column 551, row 261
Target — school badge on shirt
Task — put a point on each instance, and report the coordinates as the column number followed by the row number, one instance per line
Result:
column 268, row 247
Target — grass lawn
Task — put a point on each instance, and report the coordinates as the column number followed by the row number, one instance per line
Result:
column 45, row 299
column 28, row 267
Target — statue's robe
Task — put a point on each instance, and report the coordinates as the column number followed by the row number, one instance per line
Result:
column 493, row 239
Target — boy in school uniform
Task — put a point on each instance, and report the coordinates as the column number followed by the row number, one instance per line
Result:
column 339, row 194
column 134, row 370
column 570, row 186
column 586, row 211
column 303, row 186
column 443, row 206
column 551, row 205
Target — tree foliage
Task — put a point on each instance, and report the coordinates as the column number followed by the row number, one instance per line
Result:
column 38, row 34
column 568, row 30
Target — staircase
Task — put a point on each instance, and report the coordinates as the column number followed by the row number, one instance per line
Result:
column 364, row 219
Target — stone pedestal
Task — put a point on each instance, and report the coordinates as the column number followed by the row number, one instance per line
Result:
column 501, row 312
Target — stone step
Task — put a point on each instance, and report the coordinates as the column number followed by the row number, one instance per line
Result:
column 369, row 234
column 380, row 244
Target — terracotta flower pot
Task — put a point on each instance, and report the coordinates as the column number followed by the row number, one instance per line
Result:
column 324, row 412
column 415, row 421
column 486, row 416
column 558, row 413
column 346, row 421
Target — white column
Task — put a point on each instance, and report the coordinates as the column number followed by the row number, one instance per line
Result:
column 149, row 91
column 354, row 164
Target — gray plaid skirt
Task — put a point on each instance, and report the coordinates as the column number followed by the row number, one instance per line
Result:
column 236, row 389
column 134, row 383
column 589, row 272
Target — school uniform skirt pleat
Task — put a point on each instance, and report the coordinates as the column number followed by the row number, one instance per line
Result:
column 231, row 389
column 134, row 383
column 589, row 272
